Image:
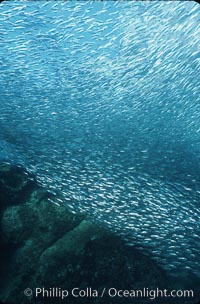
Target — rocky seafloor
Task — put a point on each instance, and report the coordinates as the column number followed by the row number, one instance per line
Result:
column 43, row 245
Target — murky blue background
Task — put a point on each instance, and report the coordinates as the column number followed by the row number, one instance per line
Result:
column 101, row 100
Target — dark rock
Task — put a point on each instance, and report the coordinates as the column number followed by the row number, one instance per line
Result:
column 44, row 245
column 15, row 185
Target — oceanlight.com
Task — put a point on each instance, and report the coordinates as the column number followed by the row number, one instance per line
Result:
column 56, row 292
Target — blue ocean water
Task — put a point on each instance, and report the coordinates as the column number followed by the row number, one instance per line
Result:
column 102, row 100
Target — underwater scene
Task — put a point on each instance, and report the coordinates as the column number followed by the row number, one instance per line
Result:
column 100, row 152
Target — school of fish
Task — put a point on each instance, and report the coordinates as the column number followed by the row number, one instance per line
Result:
column 102, row 101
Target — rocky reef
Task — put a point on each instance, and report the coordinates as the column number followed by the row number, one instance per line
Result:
column 45, row 246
